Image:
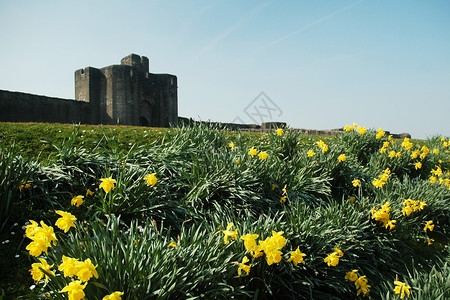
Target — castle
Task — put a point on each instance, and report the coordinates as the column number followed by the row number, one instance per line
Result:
column 125, row 94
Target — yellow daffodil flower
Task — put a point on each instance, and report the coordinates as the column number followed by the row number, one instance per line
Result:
column 107, row 184
column 66, row 220
column 332, row 259
column 229, row 233
column 151, row 179
column 263, row 155
column 74, row 290
column 243, row 266
column 252, row 151
column 86, row 270
column 361, row 130
column 342, row 158
column 402, row 289
column 297, row 257
column 352, row 276
column 25, row 185
column 356, row 182
column 77, row 200
column 114, row 296
column 429, row 226
column 36, row 271
column 69, row 266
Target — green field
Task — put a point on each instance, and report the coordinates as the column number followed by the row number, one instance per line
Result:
column 223, row 214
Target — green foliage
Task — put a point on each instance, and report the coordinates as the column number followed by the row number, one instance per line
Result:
column 15, row 175
column 204, row 184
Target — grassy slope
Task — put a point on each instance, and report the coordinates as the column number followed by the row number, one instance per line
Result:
column 28, row 139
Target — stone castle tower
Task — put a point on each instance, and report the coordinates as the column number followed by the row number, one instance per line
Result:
column 127, row 94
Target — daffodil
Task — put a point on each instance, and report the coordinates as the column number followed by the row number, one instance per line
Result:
column 348, row 128
column 415, row 154
column 297, row 257
column 231, row 145
column 279, row 131
column 356, row 182
column 342, row 158
column 69, row 266
column 429, row 226
column 77, row 200
column 418, row 165
column 263, row 155
column 229, row 233
column 107, row 184
column 31, row 229
column 252, row 151
column 74, row 290
column 321, row 144
column 361, row 130
column 41, row 237
column 66, row 220
column 380, row 133
column 243, row 266
column 310, row 153
column 250, row 242
column 37, row 270
column 272, row 246
column 86, row 270
column 151, row 179
column 407, row 144
column 361, row 282
column 382, row 215
column 36, row 248
column 352, row 276
column 114, row 296
column 89, row 192
column 284, row 189
column 402, row 289
column 46, row 233
column 25, row 185
column 172, row 244
column 407, row 210
column 390, row 224
column 378, row 183
column 332, row 259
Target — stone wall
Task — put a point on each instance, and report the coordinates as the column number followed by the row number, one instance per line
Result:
column 22, row 107
column 125, row 94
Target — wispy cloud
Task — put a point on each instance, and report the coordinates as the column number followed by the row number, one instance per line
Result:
column 337, row 12
column 236, row 25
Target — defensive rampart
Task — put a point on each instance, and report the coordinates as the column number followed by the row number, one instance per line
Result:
column 125, row 94
column 22, row 107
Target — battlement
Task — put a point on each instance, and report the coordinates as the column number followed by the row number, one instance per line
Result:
column 137, row 61
column 128, row 94
column 125, row 94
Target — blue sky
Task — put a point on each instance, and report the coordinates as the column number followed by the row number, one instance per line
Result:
column 323, row 64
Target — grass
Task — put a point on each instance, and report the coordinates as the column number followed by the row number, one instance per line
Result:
column 167, row 241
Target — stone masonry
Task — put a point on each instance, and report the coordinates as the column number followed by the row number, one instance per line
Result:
column 125, row 94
